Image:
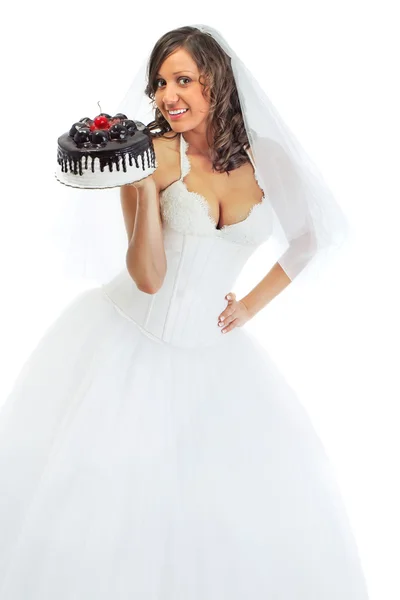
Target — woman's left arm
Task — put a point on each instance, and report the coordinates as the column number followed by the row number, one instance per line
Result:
column 238, row 312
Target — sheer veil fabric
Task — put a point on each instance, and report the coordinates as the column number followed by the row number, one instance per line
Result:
column 309, row 225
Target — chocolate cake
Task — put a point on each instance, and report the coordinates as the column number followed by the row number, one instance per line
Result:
column 105, row 152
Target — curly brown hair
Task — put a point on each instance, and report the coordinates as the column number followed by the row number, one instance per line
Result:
column 225, row 125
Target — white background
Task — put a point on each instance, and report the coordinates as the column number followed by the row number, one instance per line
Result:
column 330, row 68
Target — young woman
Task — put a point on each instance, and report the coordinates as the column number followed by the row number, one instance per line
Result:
column 150, row 449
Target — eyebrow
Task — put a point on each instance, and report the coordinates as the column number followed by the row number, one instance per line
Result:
column 177, row 72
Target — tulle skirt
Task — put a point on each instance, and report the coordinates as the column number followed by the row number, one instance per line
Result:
column 134, row 470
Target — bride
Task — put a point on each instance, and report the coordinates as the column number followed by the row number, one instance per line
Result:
column 144, row 454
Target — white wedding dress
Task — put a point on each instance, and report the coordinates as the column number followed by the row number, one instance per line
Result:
column 146, row 456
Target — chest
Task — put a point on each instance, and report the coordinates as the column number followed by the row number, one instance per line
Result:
column 229, row 197
column 188, row 213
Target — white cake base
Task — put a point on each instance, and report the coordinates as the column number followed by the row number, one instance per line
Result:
column 106, row 179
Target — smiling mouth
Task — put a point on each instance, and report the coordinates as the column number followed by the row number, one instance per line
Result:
column 177, row 111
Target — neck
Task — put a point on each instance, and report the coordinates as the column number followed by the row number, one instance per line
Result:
column 197, row 143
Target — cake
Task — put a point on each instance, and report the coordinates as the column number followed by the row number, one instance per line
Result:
column 105, row 152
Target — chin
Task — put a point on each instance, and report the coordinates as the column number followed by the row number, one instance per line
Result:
column 188, row 126
column 180, row 127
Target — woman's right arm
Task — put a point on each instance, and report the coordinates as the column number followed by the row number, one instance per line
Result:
column 145, row 258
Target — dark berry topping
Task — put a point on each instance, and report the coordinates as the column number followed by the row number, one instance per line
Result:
column 76, row 127
column 130, row 125
column 118, row 132
column 82, row 136
column 99, row 136
column 139, row 125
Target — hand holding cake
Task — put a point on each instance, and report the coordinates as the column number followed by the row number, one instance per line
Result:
column 105, row 152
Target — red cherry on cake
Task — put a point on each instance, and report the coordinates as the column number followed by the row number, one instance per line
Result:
column 101, row 122
column 93, row 127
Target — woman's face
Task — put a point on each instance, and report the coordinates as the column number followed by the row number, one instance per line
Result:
column 178, row 87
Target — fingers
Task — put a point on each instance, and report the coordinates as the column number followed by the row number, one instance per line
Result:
column 231, row 326
column 231, row 297
column 226, row 316
column 227, row 321
column 234, row 315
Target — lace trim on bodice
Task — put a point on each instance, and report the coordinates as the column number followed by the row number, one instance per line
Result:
column 185, row 169
column 194, row 217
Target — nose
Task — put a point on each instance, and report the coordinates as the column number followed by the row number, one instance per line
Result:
column 170, row 97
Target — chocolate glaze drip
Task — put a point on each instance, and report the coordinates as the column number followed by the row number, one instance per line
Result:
column 76, row 160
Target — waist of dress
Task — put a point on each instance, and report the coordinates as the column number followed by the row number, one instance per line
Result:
column 171, row 326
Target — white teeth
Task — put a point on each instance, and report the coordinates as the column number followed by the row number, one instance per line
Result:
column 177, row 112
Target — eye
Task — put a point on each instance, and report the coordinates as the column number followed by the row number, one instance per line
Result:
column 179, row 79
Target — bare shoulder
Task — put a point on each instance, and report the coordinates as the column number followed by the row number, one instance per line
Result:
column 166, row 149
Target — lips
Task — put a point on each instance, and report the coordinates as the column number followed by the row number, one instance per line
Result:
column 185, row 109
column 175, row 117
